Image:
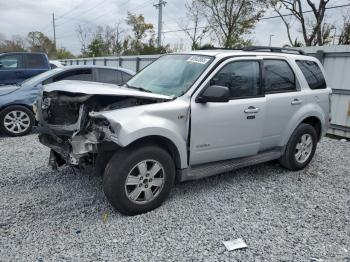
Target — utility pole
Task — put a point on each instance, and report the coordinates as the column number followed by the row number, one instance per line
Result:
column 160, row 5
column 54, row 29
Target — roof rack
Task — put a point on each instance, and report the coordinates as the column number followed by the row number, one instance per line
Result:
column 261, row 49
column 273, row 49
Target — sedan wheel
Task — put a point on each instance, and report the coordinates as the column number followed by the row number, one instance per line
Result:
column 16, row 121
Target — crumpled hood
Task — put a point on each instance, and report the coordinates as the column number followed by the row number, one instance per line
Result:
column 92, row 88
column 5, row 90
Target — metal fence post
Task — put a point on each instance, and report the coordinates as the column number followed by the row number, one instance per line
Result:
column 320, row 55
column 105, row 61
column 93, row 61
column 84, row 61
column 138, row 64
column 120, row 61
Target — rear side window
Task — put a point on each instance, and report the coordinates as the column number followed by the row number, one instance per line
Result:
column 36, row 61
column 110, row 76
column 11, row 61
column 79, row 74
column 241, row 77
column 279, row 76
column 312, row 73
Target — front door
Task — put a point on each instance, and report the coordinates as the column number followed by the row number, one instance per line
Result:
column 221, row 131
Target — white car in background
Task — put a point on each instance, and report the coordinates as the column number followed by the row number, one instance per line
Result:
column 55, row 63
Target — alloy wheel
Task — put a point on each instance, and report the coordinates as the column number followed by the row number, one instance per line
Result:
column 303, row 148
column 145, row 181
column 16, row 122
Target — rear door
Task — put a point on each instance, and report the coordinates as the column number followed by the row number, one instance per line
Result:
column 221, row 131
column 35, row 64
column 283, row 100
column 11, row 69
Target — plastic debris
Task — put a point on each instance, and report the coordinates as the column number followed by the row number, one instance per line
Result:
column 235, row 244
column 105, row 217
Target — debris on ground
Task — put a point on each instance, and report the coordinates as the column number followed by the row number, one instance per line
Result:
column 235, row 244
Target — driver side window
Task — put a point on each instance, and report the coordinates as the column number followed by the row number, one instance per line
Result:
column 241, row 77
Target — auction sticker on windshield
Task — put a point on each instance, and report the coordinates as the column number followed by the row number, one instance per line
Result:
column 198, row 60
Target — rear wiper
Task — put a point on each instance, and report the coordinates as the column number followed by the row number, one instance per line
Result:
column 138, row 88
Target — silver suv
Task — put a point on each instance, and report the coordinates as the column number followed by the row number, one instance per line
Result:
column 187, row 116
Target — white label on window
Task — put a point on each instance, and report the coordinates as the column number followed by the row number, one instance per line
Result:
column 198, row 60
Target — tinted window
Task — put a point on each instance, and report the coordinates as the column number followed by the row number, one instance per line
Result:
column 242, row 78
column 35, row 61
column 279, row 76
column 110, row 76
column 79, row 74
column 313, row 74
column 11, row 61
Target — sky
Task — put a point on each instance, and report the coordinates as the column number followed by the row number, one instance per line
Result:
column 18, row 17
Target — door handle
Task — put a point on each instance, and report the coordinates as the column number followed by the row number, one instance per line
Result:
column 296, row 101
column 251, row 109
column 19, row 73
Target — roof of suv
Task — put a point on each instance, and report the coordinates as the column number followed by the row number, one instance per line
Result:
column 255, row 51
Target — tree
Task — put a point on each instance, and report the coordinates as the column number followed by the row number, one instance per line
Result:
column 38, row 42
column 84, row 37
column 17, row 44
column 314, row 30
column 344, row 37
column 96, row 47
column 193, row 29
column 231, row 20
column 63, row 53
column 140, row 29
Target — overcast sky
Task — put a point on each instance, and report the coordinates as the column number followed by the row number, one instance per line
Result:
column 18, row 17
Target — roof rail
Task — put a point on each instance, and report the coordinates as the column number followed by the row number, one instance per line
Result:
column 273, row 49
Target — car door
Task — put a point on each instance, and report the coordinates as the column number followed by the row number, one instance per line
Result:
column 11, row 69
column 221, row 131
column 283, row 99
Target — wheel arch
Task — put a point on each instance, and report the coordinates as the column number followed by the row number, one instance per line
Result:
column 162, row 142
column 2, row 108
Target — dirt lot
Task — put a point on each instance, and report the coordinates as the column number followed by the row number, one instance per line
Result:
column 283, row 216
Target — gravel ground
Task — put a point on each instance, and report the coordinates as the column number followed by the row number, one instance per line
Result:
column 283, row 216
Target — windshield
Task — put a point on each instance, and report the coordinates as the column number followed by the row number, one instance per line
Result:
column 41, row 77
column 171, row 75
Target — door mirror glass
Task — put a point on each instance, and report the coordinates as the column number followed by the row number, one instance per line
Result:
column 214, row 93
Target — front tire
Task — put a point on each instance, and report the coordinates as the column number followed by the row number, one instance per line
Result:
column 16, row 121
column 300, row 149
column 138, row 179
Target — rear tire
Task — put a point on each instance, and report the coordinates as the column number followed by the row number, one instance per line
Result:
column 300, row 149
column 138, row 179
column 16, row 121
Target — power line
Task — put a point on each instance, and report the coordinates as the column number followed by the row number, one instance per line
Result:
column 264, row 18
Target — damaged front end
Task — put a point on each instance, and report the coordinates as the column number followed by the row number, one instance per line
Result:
column 71, row 125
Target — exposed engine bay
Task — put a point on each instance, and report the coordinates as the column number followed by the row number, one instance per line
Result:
column 70, row 125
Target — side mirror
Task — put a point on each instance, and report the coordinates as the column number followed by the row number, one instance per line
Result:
column 1, row 65
column 219, row 94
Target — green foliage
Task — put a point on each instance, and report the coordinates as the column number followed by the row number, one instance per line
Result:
column 63, row 53
column 96, row 47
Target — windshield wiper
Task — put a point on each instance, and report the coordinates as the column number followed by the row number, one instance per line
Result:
column 138, row 88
